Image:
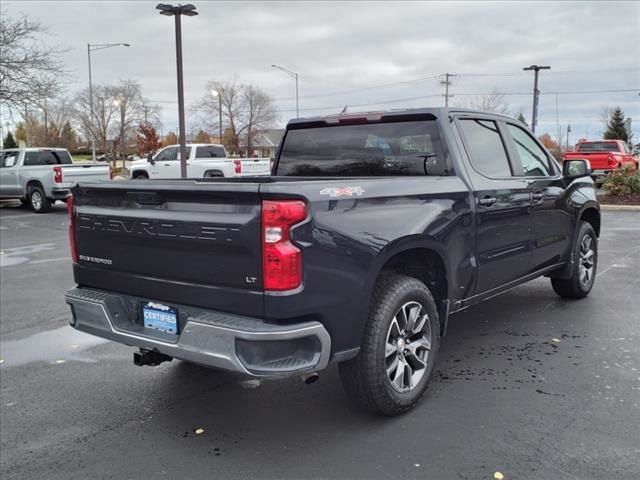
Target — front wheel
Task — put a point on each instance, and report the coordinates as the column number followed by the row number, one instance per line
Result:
column 399, row 348
column 583, row 276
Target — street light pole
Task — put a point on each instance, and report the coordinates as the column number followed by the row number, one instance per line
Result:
column 536, row 93
column 90, row 48
column 216, row 93
column 294, row 75
column 177, row 11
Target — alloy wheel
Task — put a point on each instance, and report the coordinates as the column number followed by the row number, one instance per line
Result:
column 407, row 347
column 587, row 254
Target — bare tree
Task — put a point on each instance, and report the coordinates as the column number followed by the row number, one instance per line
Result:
column 493, row 102
column 127, row 98
column 104, row 113
column 259, row 113
column 246, row 109
column 30, row 70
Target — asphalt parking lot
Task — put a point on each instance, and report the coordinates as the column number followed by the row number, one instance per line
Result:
column 528, row 385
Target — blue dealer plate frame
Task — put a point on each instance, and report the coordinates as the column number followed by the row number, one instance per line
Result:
column 160, row 317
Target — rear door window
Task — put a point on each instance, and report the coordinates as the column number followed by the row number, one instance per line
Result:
column 486, row 148
column 210, row 151
column 47, row 157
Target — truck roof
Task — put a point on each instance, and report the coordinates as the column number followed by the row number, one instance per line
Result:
column 197, row 145
column 33, row 149
column 374, row 115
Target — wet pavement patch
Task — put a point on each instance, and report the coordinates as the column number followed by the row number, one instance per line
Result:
column 53, row 346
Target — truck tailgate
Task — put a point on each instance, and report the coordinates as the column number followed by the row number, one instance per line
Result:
column 597, row 160
column 90, row 172
column 255, row 167
column 182, row 241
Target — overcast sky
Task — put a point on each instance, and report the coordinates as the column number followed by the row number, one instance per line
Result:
column 357, row 53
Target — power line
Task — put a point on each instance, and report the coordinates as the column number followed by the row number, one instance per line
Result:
column 466, row 74
column 357, row 90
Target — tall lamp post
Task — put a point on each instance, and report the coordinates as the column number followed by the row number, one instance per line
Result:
column 536, row 92
column 294, row 75
column 215, row 94
column 92, row 48
column 177, row 11
column 122, row 106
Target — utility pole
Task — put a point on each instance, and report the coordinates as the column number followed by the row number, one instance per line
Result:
column 536, row 92
column 177, row 11
column 446, row 82
column 146, row 109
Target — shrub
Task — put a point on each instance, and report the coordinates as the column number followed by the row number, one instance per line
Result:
column 622, row 181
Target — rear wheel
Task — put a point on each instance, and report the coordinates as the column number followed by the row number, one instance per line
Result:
column 38, row 200
column 399, row 348
column 583, row 276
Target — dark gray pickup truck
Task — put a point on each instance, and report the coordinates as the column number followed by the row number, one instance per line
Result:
column 372, row 231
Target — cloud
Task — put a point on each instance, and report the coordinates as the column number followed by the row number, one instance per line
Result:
column 347, row 46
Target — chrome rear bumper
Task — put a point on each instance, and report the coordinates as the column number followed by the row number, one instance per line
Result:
column 218, row 340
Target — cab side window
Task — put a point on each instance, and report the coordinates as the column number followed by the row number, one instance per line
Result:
column 534, row 160
column 486, row 148
column 170, row 153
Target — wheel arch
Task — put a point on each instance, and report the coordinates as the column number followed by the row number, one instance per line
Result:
column 423, row 260
column 213, row 173
column 34, row 183
column 139, row 172
column 591, row 215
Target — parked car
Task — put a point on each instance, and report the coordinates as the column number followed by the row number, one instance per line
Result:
column 105, row 157
column 373, row 231
column 40, row 176
column 604, row 156
column 203, row 160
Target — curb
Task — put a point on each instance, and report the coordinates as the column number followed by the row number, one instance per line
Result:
column 628, row 208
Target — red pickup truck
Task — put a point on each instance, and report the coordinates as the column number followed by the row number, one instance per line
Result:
column 604, row 156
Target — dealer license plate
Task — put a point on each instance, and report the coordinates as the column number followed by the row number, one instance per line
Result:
column 160, row 317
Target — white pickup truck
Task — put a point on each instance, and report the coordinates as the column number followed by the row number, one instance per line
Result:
column 40, row 176
column 203, row 160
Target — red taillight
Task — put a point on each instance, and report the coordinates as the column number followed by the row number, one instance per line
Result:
column 57, row 174
column 72, row 233
column 281, row 260
column 237, row 165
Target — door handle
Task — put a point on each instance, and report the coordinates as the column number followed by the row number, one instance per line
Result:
column 167, row 164
column 487, row 201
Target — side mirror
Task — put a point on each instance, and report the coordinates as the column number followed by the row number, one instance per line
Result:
column 576, row 168
column 150, row 158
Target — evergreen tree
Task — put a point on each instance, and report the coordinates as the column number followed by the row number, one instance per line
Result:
column 521, row 119
column 615, row 128
column 9, row 141
column 68, row 138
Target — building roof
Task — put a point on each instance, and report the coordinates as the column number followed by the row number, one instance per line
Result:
column 266, row 138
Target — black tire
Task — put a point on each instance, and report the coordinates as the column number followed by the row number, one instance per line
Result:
column 38, row 200
column 140, row 176
column 214, row 174
column 366, row 377
column 576, row 286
